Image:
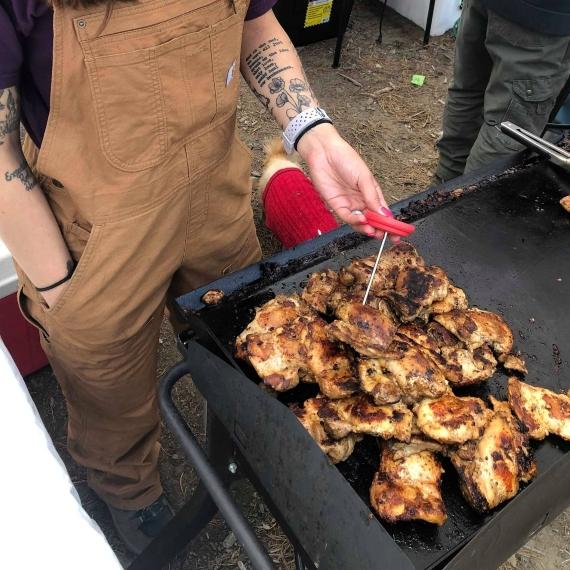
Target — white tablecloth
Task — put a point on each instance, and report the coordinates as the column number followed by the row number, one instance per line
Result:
column 42, row 523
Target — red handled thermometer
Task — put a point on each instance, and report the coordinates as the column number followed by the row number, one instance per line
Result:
column 390, row 226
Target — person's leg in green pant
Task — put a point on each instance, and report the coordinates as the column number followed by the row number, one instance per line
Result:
column 529, row 71
column 503, row 72
column 463, row 115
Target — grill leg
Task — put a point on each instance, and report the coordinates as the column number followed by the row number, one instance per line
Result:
column 343, row 19
column 382, row 11
column 428, row 23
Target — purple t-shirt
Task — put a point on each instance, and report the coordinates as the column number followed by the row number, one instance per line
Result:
column 26, row 43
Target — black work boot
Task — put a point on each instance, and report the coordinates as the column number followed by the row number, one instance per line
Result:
column 138, row 528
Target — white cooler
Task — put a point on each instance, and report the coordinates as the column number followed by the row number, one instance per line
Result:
column 21, row 338
column 445, row 13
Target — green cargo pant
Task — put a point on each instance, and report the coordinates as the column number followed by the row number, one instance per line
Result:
column 502, row 72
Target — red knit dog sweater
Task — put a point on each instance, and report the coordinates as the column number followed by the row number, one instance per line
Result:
column 294, row 212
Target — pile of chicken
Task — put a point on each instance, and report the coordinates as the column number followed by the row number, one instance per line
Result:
column 388, row 369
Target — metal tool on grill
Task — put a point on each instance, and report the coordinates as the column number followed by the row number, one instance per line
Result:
column 555, row 154
column 389, row 225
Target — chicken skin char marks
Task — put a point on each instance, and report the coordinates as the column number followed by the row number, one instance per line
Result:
column 451, row 419
column 464, row 368
column 541, row 411
column 492, row 467
column 358, row 414
column 279, row 357
column 366, row 329
column 415, row 290
column 407, row 485
column 287, row 343
column 403, row 370
column 401, row 256
column 336, row 449
column 375, row 381
column 302, row 351
column 319, row 290
column 476, row 328
column 276, row 313
column 324, row 292
column 329, row 363
column 460, row 366
column 513, row 363
column 455, row 299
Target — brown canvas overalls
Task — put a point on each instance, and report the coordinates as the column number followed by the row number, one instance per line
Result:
column 150, row 185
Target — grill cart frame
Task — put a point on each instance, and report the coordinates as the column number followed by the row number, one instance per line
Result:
column 502, row 238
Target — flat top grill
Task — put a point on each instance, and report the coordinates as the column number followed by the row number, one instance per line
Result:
column 506, row 241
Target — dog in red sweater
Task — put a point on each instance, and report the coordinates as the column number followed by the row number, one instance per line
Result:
column 294, row 212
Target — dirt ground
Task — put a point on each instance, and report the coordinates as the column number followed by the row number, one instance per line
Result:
column 394, row 125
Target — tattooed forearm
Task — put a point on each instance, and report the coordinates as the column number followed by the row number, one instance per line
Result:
column 262, row 98
column 9, row 114
column 262, row 61
column 275, row 82
column 23, row 174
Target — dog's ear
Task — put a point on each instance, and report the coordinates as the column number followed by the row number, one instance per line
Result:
column 273, row 148
column 275, row 159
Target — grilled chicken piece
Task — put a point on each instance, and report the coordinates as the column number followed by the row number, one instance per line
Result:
column 476, row 328
column 491, row 467
column 383, row 388
column 407, row 485
column 460, row 366
column 355, row 294
column 452, row 420
column 420, row 336
column 302, row 351
column 329, row 362
column 465, row 368
column 279, row 356
column 514, row 363
column 366, row 329
column 415, row 372
column 399, row 256
column 442, row 337
column 337, row 450
column 540, row 410
column 276, row 313
column 455, row 299
column 415, row 290
column 320, row 288
column 359, row 415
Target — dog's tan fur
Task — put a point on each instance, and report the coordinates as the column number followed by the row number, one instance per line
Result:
column 275, row 159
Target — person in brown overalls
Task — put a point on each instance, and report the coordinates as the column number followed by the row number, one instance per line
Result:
column 137, row 190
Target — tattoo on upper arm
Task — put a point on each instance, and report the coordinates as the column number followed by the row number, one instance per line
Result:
column 23, row 174
column 9, row 113
column 10, row 123
column 292, row 94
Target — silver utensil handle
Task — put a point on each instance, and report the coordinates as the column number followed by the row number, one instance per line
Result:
column 555, row 154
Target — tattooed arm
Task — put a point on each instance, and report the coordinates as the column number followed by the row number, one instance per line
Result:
column 27, row 225
column 273, row 71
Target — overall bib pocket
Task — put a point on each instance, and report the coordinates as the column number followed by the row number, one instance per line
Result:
column 155, row 76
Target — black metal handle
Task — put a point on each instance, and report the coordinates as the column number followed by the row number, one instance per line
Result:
column 207, row 474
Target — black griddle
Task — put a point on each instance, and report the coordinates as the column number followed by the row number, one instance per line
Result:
column 503, row 237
